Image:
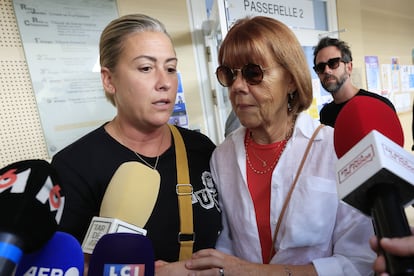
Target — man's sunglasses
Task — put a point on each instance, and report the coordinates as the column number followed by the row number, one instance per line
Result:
column 333, row 63
column 252, row 73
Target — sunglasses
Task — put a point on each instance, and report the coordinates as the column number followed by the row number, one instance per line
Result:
column 252, row 73
column 333, row 63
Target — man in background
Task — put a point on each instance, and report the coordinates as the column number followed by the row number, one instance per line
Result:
column 333, row 64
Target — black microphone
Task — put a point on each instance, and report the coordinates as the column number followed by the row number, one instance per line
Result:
column 374, row 173
column 31, row 205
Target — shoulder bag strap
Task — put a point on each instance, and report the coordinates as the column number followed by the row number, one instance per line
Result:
column 279, row 220
column 184, row 191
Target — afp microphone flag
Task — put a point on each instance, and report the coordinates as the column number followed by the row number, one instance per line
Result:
column 61, row 256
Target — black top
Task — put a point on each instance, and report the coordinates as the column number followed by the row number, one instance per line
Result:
column 330, row 111
column 87, row 166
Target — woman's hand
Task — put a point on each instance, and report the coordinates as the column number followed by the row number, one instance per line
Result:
column 175, row 268
column 213, row 262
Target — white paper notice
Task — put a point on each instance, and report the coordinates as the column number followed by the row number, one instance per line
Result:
column 60, row 40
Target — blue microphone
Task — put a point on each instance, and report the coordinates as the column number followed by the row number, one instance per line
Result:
column 62, row 255
column 122, row 254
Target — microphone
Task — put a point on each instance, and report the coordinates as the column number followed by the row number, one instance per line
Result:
column 374, row 173
column 127, row 203
column 61, row 255
column 122, row 254
column 31, row 206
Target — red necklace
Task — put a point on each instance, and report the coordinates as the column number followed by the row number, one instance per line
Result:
column 281, row 145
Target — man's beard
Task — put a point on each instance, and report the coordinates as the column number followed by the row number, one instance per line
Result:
column 335, row 86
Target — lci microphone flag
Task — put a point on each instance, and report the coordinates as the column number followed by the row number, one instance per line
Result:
column 122, row 254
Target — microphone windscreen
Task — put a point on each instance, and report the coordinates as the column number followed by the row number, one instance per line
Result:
column 122, row 254
column 131, row 194
column 61, row 255
column 31, row 202
column 360, row 116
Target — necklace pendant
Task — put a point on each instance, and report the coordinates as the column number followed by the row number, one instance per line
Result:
column 264, row 164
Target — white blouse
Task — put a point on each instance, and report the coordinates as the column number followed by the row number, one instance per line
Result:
column 317, row 227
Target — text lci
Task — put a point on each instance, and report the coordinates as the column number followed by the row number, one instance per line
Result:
column 124, row 270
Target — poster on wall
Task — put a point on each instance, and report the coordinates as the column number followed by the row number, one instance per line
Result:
column 395, row 74
column 407, row 77
column 372, row 71
column 386, row 78
column 60, row 41
column 179, row 116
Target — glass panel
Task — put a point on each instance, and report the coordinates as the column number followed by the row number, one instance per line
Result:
column 321, row 17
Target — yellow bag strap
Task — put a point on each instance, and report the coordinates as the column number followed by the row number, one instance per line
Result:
column 184, row 191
